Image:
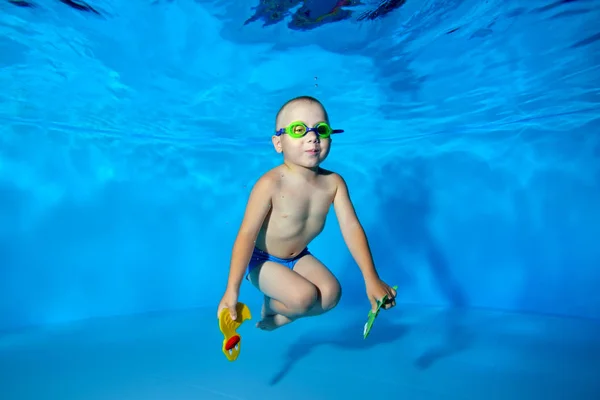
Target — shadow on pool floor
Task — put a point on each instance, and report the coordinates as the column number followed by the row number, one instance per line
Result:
column 412, row 353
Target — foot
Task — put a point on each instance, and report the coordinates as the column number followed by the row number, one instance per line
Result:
column 270, row 320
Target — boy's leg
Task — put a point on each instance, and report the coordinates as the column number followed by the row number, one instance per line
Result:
column 288, row 295
column 327, row 284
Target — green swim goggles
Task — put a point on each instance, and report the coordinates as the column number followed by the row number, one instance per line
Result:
column 298, row 129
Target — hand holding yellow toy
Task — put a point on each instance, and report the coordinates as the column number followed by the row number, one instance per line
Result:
column 233, row 341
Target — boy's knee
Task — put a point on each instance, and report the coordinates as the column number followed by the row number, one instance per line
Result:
column 331, row 294
column 304, row 299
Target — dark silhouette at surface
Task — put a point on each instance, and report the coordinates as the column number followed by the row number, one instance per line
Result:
column 75, row 4
column 80, row 6
column 271, row 11
column 384, row 8
column 309, row 14
column 22, row 3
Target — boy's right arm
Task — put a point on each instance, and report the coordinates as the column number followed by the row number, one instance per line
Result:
column 259, row 204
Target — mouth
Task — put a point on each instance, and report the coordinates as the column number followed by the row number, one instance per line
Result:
column 313, row 151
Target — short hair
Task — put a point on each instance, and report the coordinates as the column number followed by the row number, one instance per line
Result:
column 300, row 98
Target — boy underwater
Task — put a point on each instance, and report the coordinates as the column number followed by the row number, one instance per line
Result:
column 286, row 210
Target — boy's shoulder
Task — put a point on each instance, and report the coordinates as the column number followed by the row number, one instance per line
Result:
column 331, row 176
column 328, row 173
column 272, row 176
column 270, row 180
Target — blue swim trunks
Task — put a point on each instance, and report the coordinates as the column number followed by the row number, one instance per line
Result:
column 259, row 257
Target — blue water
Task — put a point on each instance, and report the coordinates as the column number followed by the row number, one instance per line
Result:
column 130, row 139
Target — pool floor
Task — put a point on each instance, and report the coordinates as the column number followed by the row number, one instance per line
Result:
column 413, row 352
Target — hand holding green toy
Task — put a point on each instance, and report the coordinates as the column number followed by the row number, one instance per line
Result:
column 372, row 315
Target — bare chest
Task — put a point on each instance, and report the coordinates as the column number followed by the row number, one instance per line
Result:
column 302, row 202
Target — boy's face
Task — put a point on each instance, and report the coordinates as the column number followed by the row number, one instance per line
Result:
column 310, row 150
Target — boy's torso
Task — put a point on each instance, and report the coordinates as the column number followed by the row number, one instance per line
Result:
column 298, row 213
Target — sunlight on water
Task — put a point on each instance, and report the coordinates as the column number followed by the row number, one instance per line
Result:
column 167, row 65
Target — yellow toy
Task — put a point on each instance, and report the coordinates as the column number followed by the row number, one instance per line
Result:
column 233, row 341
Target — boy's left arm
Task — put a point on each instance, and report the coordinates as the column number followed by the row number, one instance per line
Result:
column 356, row 240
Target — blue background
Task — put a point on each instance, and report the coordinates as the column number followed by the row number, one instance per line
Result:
column 129, row 144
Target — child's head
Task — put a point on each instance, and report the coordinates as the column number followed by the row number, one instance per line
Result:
column 292, row 120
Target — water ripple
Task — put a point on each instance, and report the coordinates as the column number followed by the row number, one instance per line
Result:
column 176, row 72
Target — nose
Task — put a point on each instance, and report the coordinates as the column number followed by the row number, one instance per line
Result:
column 312, row 136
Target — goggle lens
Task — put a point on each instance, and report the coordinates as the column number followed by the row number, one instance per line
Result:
column 299, row 129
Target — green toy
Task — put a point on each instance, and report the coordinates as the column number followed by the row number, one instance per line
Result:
column 373, row 315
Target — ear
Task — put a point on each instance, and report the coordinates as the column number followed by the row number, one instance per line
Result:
column 277, row 143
